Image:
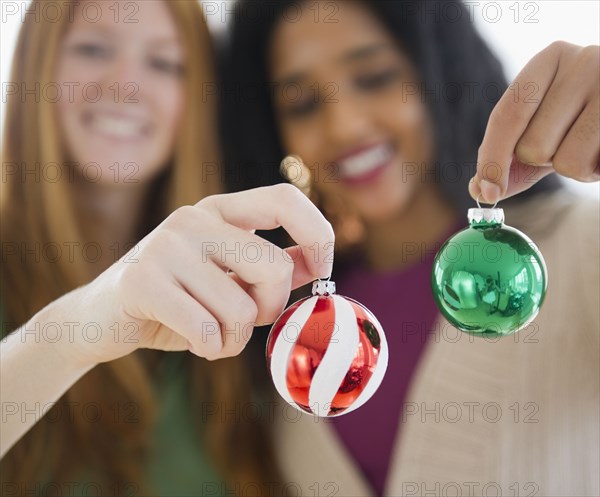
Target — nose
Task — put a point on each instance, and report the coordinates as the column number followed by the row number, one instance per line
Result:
column 123, row 79
column 346, row 121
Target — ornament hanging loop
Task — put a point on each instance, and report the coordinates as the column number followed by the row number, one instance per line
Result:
column 479, row 206
column 485, row 215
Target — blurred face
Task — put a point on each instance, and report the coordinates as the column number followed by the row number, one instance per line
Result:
column 126, row 105
column 355, row 118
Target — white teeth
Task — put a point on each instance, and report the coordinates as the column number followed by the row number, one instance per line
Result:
column 366, row 161
column 117, row 126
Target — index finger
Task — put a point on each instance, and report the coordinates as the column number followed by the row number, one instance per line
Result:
column 270, row 207
column 507, row 123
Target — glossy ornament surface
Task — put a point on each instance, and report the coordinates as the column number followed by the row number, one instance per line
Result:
column 327, row 354
column 489, row 279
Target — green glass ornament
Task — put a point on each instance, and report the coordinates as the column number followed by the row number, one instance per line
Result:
column 489, row 279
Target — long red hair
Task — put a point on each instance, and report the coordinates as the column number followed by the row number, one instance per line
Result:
column 36, row 212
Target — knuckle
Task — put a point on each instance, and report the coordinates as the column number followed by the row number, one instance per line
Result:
column 286, row 188
column 205, row 201
column 558, row 47
column 572, row 168
column 560, row 165
column 532, row 151
column 182, row 216
column 564, row 165
column 289, row 193
column 590, row 55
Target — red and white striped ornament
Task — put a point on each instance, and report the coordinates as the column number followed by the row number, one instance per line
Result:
column 327, row 353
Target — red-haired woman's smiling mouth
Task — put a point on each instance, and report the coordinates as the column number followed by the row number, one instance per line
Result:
column 116, row 125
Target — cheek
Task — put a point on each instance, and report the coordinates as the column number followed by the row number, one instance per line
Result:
column 304, row 141
column 72, row 80
column 411, row 125
column 169, row 104
column 78, row 82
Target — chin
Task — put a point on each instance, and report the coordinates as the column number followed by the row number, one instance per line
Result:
column 383, row 205
column 383, row 209
column 119, row 168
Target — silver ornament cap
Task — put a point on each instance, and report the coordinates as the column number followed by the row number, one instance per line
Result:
column 321, row 287
column 485, row 215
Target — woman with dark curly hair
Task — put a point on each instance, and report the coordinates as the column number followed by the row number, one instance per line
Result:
column 403, row 118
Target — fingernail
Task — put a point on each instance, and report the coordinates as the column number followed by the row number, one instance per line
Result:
column 489, row 191
column 325, row 273
column 474, row 186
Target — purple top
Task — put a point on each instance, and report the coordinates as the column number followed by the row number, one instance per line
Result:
column 403, row 303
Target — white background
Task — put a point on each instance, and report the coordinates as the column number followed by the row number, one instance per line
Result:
column 516, row 30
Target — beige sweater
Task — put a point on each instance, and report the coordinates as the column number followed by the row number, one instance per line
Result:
column 518, row 416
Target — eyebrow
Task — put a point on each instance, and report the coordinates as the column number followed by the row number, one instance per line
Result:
column 165, row 42
column 108, row 33
column 95, row 29
column 365, row 52
column 358, row 54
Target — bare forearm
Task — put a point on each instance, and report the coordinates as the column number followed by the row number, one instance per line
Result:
column 34, row 373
